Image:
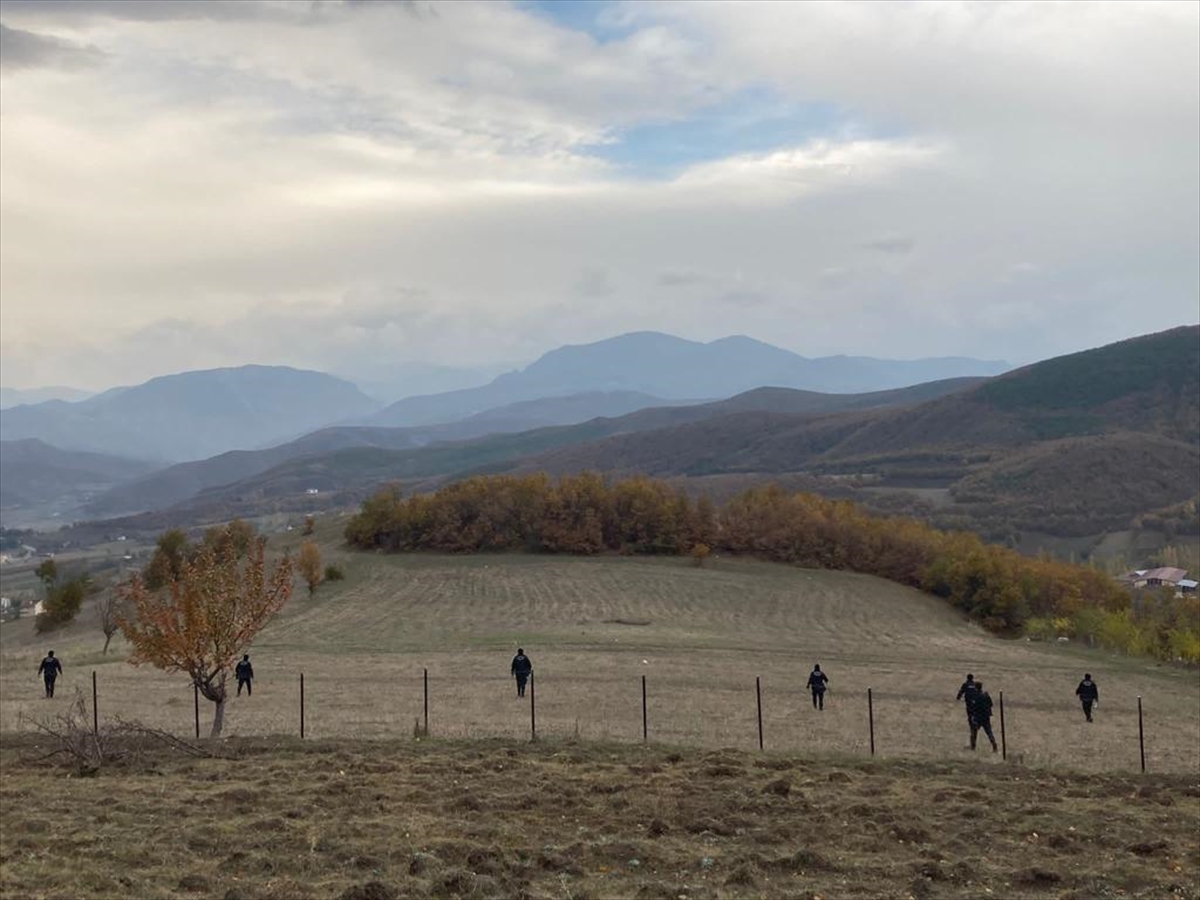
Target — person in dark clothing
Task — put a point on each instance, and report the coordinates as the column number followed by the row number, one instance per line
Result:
column 50, row 669
column 1088, row 694
column 816, row 683
column 964, row 693
column 979, row 706
column 522, row 668
column 245, row 675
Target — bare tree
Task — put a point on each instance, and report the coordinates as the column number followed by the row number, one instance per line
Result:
column 108, row 610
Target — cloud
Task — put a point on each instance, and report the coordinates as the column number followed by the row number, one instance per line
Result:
column 324, row 183
column 26, row 50
column 594, row 284
column 896, row 243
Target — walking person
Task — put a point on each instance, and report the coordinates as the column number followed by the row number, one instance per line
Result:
column 245, row 675
column 50, row 669
column 979, row 704
column 817, row 680
column 965, row 691
column 522, row 668
column 1088, row 694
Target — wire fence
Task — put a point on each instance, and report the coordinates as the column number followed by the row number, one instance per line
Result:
column 729, row 712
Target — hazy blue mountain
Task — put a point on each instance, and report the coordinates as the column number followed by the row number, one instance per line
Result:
column 674, row 368
column 192, row 415
column 388, row 381
column 180, row 482
column 38, row 481
column 344, row 471
column 19, row 396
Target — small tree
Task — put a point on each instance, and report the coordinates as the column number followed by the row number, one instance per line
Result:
column 310, row 525
column 169, row 556
column 700, row 553
column 62, row 603
column 108, row 612
column 206, row 618
column 309, row 564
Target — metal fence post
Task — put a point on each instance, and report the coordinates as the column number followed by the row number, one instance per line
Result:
column 532, row 709
column 758, row 697
column 196, row 705
column 301, row 706
column 1141, row 736
column 645, row 721
column 871, row 719
column 95, row 707
column 426, row 703
column 1003, row 738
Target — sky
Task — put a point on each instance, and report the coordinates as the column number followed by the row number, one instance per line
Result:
column 356, row 186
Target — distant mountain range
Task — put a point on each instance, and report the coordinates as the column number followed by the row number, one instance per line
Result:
column 193, row 415
column 1075, row 445
column 344, row 463
column 674, row 368
column 179, row 482
column 18, row 396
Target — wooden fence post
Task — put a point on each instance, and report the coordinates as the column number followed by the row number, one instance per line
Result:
column 301, row 706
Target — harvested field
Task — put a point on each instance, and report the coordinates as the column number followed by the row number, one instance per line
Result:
column 473, row 819
column 594, row 627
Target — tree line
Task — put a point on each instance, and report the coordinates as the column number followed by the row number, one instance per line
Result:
column 1006, row 592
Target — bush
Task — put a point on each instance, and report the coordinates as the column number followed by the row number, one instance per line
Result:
column 62, row 604
column 334, row 573
column 700, row 553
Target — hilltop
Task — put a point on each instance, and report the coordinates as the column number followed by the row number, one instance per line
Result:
column 666, row 366
column 192, row 415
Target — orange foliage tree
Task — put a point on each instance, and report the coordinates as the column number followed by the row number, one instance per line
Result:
column 205, row 617
column 309, row 564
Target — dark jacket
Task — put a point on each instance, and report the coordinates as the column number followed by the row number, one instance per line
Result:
column 817, row 681
column 521, row 666
column 51, row 666
column 967, row 688
column 1087, row 691
column 244, row 670
column 979, row 705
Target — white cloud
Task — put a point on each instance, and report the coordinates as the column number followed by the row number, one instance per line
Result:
column 226, row 183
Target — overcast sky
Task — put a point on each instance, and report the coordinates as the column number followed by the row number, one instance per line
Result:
column 332, row 185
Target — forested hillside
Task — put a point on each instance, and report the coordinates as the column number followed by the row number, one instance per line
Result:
column 584, row 514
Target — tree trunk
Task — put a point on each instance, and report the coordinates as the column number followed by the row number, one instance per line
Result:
column 107, row 639
column 214, row 690
column 218, row 719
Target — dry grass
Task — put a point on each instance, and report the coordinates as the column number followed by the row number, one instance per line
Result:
column 371, row 821
column 708, row 632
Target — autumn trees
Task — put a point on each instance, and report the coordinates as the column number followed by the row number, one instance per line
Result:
column 199, row 622
column 585, row 514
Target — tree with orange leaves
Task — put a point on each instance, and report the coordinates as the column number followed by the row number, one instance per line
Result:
column 206, row 616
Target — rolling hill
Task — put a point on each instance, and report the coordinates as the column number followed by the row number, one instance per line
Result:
column 671, row 367
column 346, row 472
column 38, row 480
column 1046, row 444
column 10, row 397
column 192, row 415
column 179, row 482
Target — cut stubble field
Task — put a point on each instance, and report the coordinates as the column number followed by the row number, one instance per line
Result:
column 595, row 627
